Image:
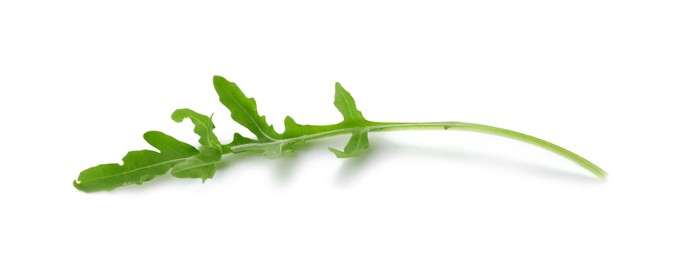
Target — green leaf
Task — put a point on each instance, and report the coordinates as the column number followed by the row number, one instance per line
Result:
column 203, row 126
column 185, row 161
column 272, row 144
column 358, row 143
column 243, row 109
column 347, row 107
column 356, row 146
column 138, row 166
column 205, row 163
column 201, row 166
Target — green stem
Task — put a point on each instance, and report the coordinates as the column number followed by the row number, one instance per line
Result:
column 470, row 127
column 316, row 132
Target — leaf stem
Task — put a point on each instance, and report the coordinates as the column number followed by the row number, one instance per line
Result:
column 316, row 132
column 479, row 128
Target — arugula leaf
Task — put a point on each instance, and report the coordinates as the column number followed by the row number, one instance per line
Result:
column 272, row 144
column 358, row 143
column 205, row 163
column 138, row 166
column 243, row 109
column 185, row 161
column 347, row 107
column 203, row 126
column 356, row 146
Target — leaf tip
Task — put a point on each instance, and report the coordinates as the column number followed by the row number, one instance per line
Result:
column 289, row 123
column 218, row 77
column 76, row 184
column 178, row 115
column 338, row 87
column 80, row 187
column 150, row 135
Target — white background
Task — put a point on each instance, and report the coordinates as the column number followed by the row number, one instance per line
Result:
column 81, row 81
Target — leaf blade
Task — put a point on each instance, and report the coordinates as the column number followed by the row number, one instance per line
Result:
column 356, row 146
column 203, row 126
column 243, row 109
column 203, row 165
column 345, row 103
column 138, row 166
column 352, row 117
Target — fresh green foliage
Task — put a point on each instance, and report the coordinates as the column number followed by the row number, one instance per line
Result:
column 204, row 164
column 184, row 161
column 138, row 166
